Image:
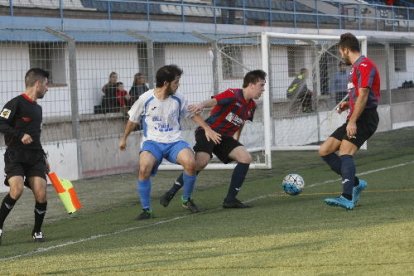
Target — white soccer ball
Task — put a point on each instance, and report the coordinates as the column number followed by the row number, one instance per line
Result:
column 293, row 184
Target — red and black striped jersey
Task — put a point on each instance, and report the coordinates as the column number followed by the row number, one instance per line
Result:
column 231, row 112
column 364, row 74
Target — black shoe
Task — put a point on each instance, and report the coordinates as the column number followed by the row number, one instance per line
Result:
column 38, row 236
column 189, row 205
column 146, row 214
column 235, row 203
column 166, row 198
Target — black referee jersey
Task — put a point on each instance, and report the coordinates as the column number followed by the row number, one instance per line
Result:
column 19, row 116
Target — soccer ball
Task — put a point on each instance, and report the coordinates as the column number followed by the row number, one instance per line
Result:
column 293, row 184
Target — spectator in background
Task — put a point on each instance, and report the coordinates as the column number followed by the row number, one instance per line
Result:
column 299, row 93
column 109, row 103
column 122, row 97
column 339, row 82
column 228, row 15
column 138, row 88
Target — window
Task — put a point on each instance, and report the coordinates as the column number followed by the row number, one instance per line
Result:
column 296, row 60
column 231, row 57
column 50, row 57
column 400, row 61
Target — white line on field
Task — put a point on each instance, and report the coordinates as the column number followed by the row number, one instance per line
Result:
column 46, row 249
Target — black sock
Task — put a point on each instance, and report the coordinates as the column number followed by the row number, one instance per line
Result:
column 348, row 174
column 334, row 161
column 6, row 206
column 40, row 212
column 356, row 183
column 349, row 197
column 178, row 184
column 239, row 174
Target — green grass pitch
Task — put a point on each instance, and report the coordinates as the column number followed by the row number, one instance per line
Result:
column 280, row 235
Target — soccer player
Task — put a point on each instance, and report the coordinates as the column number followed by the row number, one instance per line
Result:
column 361, row 123
column 231, row 109
column 161, row 110
column 24, row 159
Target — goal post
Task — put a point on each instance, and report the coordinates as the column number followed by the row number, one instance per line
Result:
column 232, row 56
column 284, row 56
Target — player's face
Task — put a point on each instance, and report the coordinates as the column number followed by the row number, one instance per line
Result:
column 173, row 86
column 345, row 55
column 258, row 89
column 41, row 88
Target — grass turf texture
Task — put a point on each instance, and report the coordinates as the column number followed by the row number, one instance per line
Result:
column 280, row 235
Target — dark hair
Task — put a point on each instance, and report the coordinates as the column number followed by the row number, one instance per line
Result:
column 303, row 71
column 136, row 76
column 33, row 75
column 253, row 77
column 349, row 41
column 167, row 73
column 119, row 83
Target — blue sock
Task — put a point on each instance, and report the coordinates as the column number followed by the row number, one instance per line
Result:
column 144, row 192
column 333, row 161
column 189, row 181
column 348, row 175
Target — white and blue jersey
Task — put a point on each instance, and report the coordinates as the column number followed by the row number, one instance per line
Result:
column 160, row 118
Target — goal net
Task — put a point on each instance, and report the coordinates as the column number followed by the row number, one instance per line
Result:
column 306, row 80
column 222, row 64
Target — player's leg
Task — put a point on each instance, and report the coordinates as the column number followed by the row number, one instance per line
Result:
column 15, row 180
column 203, row 149
column 38, row 186
column 181, row 153
column 243, row 159
column 16, row 189
column 149, row 159
column 327, row 151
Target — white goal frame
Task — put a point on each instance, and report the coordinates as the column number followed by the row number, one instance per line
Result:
column 305, row 37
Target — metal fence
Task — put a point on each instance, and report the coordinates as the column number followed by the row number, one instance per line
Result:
column 334, row 14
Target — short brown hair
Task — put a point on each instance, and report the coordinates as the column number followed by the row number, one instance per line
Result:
column 34, row 75
column 350, row 42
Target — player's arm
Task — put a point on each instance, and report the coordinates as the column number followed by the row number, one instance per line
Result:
column 198, row 108
column 6, row 121
column 359, row 107
column 130, row 126
column 210, row 133
column 134, row 117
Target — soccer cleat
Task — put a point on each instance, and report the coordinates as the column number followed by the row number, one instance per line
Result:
column 166, row 198
column 146, row 214
column 235, row 203
column 190, row 205
column 356, row 191
column 341, row 202
column 38, row 236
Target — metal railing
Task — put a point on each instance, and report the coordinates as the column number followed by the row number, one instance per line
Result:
column 318, row 14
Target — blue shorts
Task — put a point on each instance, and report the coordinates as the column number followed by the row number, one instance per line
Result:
column 168, row 151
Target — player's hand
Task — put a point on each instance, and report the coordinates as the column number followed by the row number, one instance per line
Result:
column 122, row 144
column 342, row 107
column 351, row 129
column 211, row 135
column 26, row 139
column 196, row 108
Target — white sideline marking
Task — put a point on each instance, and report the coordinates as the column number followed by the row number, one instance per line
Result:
column 46, row 249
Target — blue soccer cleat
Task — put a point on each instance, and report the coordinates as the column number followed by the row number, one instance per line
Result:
column 356, row 191
column 341, row 202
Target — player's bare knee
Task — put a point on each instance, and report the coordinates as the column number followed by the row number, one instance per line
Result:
column 144, row 172
column 16, row 191
column 189, row 166
column 245, row 159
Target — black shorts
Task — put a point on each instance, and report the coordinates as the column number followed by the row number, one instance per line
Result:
column 367, row 124
column 221, row 150
column 25, row 163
